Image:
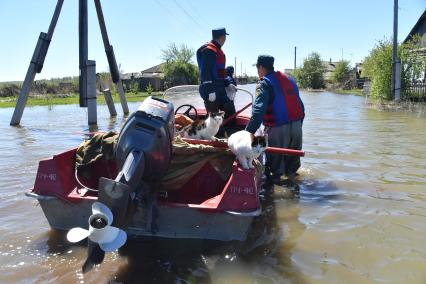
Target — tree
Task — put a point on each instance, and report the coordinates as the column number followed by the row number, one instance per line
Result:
column 311, row 75
column 149, row 89
column 377, row 66
column 134, row 87
column 178, row 68
column 341, row 73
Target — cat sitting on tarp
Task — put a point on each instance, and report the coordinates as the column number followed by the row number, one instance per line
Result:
column 245, row 149
column 204, row 129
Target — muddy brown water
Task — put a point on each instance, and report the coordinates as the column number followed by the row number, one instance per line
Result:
column 360, row 216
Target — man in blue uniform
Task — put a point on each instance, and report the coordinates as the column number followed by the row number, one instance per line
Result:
column 279, row 107
column 230, row 75
column 211, row 66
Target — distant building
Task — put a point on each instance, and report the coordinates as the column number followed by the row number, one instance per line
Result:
column 153, row 76
column 329, row 66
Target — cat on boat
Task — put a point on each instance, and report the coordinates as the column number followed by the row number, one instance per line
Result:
column 245, row 149
column 204, row 129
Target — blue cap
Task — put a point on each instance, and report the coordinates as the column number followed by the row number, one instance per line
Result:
column 219, row 32
column 266, row 61
column 229, row 70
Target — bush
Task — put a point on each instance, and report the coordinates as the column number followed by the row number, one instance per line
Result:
column 149, row 89
column 341, row 73
column 135, row 87
column 377, row 66
column 9, row 90
column 311, row 75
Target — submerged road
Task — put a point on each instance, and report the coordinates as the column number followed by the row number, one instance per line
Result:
column 360, row 216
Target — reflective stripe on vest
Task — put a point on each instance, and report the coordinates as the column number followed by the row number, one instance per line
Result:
column 286, row 106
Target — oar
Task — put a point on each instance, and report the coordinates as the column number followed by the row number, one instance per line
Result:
column 271, row 150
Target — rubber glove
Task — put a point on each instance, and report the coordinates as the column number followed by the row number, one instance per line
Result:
column 232, row 88
column 212, row 97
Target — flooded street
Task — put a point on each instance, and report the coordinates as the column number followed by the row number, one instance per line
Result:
column 360, row 217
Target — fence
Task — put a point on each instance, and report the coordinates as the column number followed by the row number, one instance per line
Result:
column 415, row 92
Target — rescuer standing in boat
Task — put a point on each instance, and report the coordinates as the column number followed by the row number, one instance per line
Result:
column 211, row 66
column 279, row 107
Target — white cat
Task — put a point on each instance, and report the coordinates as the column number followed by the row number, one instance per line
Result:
column 204, row 129
column 246, row 150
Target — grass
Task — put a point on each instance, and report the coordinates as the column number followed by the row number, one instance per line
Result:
column 49, row 100
column 357, row 92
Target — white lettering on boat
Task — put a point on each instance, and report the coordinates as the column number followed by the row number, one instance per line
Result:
column 242, row 190
column 50, row 177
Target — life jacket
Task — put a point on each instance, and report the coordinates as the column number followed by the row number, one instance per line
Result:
column 219, row 71
column 286, row 105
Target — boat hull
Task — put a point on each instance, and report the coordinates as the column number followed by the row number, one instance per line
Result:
column 171, row 221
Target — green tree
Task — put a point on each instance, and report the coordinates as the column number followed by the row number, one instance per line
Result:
column 377, row 66
column 178, row 68
column 311, row 75
column 149, row 89
column 341, row 73
column 134, row 87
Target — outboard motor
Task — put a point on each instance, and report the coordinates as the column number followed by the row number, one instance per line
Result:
column 149, row 133
column 143, row 154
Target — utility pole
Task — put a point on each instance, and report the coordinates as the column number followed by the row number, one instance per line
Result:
column 36, row 65
column 83, row 50
column 295, row 48
column 235, row 67
column 241, row 69
column 396, row 63
column 87, row 78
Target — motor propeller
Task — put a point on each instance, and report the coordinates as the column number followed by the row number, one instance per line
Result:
column 102, row 237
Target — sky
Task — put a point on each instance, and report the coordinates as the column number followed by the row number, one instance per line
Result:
column 139, row 30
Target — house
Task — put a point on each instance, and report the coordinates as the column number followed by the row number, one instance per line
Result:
column 153, row 76
column 419, row 29
column 329, row 67
column 416, row 90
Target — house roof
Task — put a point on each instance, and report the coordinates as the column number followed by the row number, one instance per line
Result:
column 154, row 69
column 128, row 76
column 329, row 65
column 416, row 26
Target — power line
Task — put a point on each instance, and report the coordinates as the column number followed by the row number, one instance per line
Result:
column 195, row 10
column 189, row 15
column 171, row 13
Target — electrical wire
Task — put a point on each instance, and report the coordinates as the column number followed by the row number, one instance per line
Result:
column 176, row 17
column 188, row 14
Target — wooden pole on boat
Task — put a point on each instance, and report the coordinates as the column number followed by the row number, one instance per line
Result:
column 271, row 150
column 36, row 65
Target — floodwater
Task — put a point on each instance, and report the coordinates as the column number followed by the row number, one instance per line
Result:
column 360, row 216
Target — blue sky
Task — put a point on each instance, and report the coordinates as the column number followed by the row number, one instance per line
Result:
column 139, row 30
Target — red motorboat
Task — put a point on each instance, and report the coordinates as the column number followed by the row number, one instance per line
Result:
column 217, row 201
